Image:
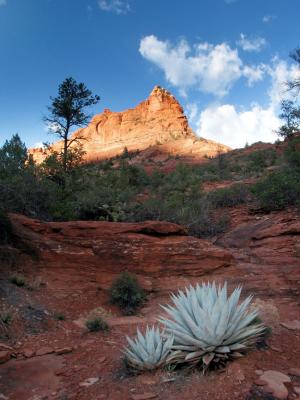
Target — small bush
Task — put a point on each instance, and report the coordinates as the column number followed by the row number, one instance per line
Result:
column 18, row 280
column 278, row 191
column 97, row 324
column 229, row 197
column 6, row 317
column 292, row 152
column 60, row 316
column 127, row 293
column 5, row 229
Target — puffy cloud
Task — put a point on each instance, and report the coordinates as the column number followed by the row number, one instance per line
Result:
column 209, row 68
column 228, row 125
column 114, row 6
column 255, row 44
column 212, row 69
column 233, row 126
column 254, row 73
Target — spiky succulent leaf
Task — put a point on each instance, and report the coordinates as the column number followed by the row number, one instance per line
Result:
column 149, row 351
column 210, row 326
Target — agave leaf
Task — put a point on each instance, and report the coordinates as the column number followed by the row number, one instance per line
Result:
column 207, row 359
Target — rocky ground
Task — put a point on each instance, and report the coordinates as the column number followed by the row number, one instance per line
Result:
column 49, row 353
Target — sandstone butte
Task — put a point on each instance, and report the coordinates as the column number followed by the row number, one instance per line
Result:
column 157, row 122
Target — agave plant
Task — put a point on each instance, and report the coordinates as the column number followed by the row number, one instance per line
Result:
column 149, row 351
column 209, row 327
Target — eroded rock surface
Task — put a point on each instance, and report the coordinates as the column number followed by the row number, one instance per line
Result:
column 92, row 253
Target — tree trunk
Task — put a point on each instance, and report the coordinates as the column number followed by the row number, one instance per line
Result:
column 65, row 151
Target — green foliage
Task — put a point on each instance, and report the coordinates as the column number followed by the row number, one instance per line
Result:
column 229, row 197
column 6, row 317
column 60, row 316
column 5, row 228
column 67, row 111
column 13, row 157
column 127, row 293
column 97, row 324
column 278, row 190
column 290, row 113
column 292, row 152
column 18, row 280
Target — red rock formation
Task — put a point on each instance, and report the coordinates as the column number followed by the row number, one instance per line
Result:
column 157, row 121
column 74, row 254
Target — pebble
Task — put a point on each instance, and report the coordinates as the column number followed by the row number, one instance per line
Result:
column 44, row 350
column 64, row 350
column 295, row 372
column 4, row 356
column 274, row 383
column 28, row 353
column 143, row 396
column 89, row 382
column 292, row 325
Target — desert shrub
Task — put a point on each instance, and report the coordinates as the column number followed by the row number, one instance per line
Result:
column 5, row 229
column 97, row 324
column 18, row 280
column 60, row 316
column 6, row 317
column 229, row 197
column 292, row 152
column 278, row 190
column 127, row 293
column 261, row 159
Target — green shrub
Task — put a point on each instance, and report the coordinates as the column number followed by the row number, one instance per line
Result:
column 18, row 280
column 6, row 317
column 5, row 229
column 279, row 190
column 292, row 152
column 97, row 324
column 229, row 197
column 60, row 316
column 127, row 293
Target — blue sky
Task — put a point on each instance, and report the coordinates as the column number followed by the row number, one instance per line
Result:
column 225, row 60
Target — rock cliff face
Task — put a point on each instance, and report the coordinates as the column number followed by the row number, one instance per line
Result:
column 157, row 121
column 81, row 254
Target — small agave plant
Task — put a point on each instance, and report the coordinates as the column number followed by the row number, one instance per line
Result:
column 148, row 352
column 209, row 327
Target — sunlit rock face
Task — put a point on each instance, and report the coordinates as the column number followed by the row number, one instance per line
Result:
column 157, row 121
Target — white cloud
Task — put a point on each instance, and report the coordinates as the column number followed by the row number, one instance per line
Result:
column 254, row 73
column 38, row 145
column 268, row 18
column 214, row 69
column 114, row 6
column 254, row 44
column 226, row 124
column 211, row 69
column 2, row 2
column 229, row 125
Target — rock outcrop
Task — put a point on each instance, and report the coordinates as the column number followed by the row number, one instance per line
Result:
column 89, row 254
column 157, row 121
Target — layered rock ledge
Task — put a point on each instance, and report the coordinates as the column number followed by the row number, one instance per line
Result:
column 92, row 253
